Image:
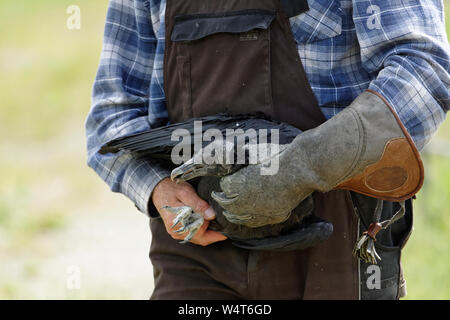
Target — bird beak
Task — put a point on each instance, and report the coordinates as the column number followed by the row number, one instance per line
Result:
column 176, row 175
column 188, row 171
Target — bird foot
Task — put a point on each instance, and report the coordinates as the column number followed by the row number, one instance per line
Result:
column 188, row 220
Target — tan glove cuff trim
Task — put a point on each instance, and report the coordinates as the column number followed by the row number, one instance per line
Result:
column 397, row 176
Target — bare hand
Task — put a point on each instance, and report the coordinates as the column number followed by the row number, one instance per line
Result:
column 171, row 194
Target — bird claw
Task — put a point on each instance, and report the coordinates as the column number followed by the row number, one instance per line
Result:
column 189, row 220
column 223, row 199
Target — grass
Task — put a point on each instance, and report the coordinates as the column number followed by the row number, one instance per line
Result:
column 52, row 205
column 45, row 88
column 426, row 258
column 53, row 65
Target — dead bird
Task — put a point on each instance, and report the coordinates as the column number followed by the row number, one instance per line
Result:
column 302, row 229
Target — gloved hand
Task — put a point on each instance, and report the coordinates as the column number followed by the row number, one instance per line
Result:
column 364, row 148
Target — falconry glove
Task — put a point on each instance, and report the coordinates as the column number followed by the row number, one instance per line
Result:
column 365, row 148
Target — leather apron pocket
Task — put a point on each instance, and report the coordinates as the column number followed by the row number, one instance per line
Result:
column 223, row 62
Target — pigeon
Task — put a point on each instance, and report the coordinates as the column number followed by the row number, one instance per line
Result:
column 248, row 132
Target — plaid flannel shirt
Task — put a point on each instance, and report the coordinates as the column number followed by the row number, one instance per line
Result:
column 397, row 48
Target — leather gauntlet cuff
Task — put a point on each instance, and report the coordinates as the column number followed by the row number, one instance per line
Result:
column 398, row 172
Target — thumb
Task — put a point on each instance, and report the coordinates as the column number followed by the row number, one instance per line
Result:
column 191, row 199
column 210, row 214
column 202, row 207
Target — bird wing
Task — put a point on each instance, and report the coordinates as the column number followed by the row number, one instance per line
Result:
column 158, row 142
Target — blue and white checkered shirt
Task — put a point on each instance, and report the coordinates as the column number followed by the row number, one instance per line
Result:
column 397, row 48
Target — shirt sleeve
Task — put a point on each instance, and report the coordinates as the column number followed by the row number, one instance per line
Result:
column 404, row 44
column 120, row 102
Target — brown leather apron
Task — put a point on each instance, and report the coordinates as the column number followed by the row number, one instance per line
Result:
column 237, row 57
column 240, row 56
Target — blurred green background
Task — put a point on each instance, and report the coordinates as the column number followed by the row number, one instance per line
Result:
column 63, row 235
